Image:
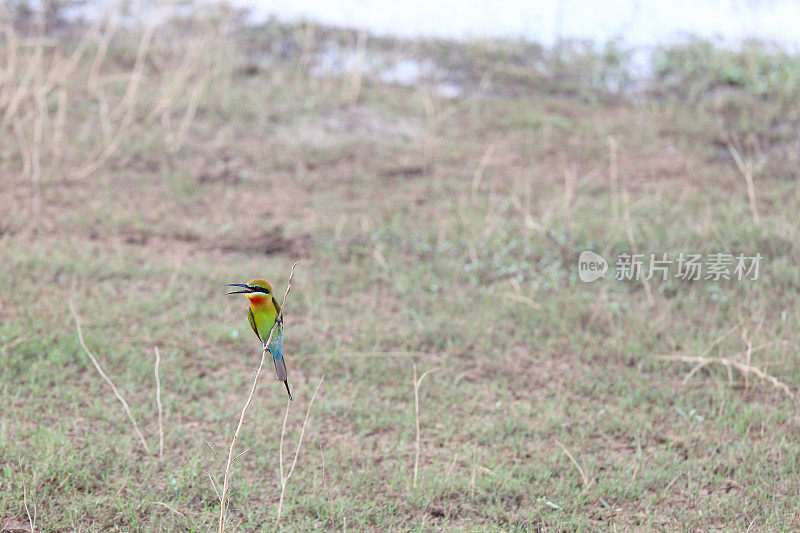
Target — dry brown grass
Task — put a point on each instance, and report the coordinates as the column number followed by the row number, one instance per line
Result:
column 285, row 479
column 416, row 249
column 745, row 368
column 108, row 380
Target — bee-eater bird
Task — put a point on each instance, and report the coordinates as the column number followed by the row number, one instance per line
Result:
column 262, row 313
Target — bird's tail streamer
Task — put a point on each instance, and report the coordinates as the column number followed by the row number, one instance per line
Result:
column 280, row 370
column 276, row 349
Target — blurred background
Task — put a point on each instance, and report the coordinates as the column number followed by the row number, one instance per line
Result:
column 438, row 169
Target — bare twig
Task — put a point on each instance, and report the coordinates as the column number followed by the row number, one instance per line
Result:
column 729, row 363
column 224, row 493
column 241, row 454
column 706, row 361
column 586, row 481
column 107, row 379
column 215, row 453
column 285, row 480
column 417, row 383
column 158, row 403
column 213, row 485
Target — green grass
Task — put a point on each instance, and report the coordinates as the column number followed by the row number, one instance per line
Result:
column 403, row 260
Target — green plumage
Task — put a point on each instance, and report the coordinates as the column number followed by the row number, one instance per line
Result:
column 263, row 319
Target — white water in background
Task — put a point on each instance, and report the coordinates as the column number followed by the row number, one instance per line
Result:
column 636, row 24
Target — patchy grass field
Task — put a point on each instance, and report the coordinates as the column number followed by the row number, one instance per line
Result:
column 142, row 170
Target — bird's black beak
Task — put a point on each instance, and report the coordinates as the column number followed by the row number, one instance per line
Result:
column 244, row 286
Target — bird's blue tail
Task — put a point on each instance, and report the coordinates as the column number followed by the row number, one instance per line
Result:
column 276, row 350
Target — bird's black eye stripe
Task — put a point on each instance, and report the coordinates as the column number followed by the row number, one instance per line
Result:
column 256, row 288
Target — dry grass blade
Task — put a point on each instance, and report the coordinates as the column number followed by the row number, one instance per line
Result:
column 614, row 177
column 127, row 105
column 514, row 297
column 417, row 383
column 729, row 363
column 191, row 110
column 285, row 480
column 353, row 89
column 708, row 360
column 626, row 212
column 224, row 493
column 102, row 50
column 478, row 176
column 169, row 507
column 747, row 173
column 31, row 519
column 158, row 403
column 586, row 481
column 280, row 444
column 215, row 454
column 107, row 379
column 214, row 485
column 748, row 357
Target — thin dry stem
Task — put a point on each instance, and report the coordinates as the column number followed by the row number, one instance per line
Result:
column 707, row 361
column 58, row 128
column 353, row 92
column 188, row 117
column 746, row 170
column 729, row 363
column 614, row 176
column 629, row 230
column 169, row 507
column 213, row 485
column 22, row 88
column 417, row 383
column 128, row 105
column 476, row 179
column 224, row 493
column 586, row 481
column 280, row 444
column 570, row 185
column 158, row 403
column 102, row 50
column 285, row 480
column 31, row 520
column 215, row 454
column 748, row 355
column 107, row 379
